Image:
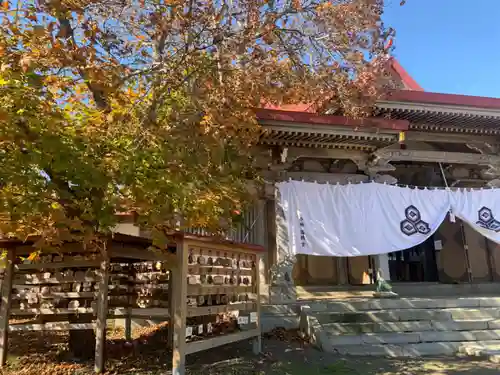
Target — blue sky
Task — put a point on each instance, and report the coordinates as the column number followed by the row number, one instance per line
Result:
column 449, row 46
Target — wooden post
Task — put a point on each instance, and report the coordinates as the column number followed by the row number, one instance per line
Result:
column 466, row 251
column 489, row 259
column 170, row 335
column 5, row 306
column 128, row 313
column 179, row 309
column 272, row 249
column 257, row 342
column 128, row 324
column 102, row 312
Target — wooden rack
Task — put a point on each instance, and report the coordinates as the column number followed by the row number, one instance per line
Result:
column 222, row 293
column 49, row 293
column 208, row 290
column 139, row 290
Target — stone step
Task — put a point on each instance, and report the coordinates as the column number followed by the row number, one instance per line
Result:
column 473, row 348
column 397, row 351
column 418, row 289
column 410, row 337
column 407, row 315
column 416, row 326
column 486, row 350
column 402, row 303
column 406, row 327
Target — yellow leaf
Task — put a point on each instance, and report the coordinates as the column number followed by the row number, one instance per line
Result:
column 33, row 256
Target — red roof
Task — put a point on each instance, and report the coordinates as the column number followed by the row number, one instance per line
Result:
column 408, row 82
column 301, row 107
column 412, row 93
column 426, row 97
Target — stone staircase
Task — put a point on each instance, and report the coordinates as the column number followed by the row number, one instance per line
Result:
column 405, row 327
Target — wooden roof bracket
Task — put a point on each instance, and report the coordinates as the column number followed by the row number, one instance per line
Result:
column 384, row 157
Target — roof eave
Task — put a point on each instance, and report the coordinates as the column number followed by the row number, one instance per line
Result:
column 268, row 116
column 466, row 102
column 438, row 108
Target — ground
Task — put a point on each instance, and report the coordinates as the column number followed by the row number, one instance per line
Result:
column 283, row 355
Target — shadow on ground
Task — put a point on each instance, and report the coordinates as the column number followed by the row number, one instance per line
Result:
column 35, row 354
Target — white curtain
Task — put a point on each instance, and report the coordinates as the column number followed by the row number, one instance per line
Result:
column 369, row 219
column 480, row 209
column 359, row 219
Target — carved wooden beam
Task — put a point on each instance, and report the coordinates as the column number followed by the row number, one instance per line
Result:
column 331, row 178
column 269, row 190
column 494, row 183
column 385, row 179
column 360, row 158
column 492, row 172
column 377, row 166
column 450, row 138
column 294, row 153
column 344, row 145
column 348, row 127
column 436, row 157
column 484, row 148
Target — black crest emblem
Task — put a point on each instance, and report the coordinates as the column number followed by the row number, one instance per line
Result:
column 487, row 220
column 413, row 223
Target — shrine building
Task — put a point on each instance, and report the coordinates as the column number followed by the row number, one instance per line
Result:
column 447, row 286
column 449, row 141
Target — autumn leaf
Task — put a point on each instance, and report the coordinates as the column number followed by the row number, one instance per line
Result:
column 152, row 113
column 33, row 256
column 39, row 30
column 4, row 116
column 25, row 62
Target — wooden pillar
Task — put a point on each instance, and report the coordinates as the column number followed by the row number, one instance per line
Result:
column 489, row 259
column 261, row 238
column 128, row 324
column 282, row 288
column 382, row 265
column 170, row 333
column 179, row 309
column 128, row 314
column 257, row 341
column 271, row 255
column 5, row 306
column 102, row 312
column 342, row 270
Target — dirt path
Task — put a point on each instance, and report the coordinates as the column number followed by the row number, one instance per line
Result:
column 291, row 359
column 47, row 355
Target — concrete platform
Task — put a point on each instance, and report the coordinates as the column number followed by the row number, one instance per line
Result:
column 405, row 289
